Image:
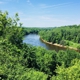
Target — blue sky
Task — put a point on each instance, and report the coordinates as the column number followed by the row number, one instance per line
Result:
column 44, row 13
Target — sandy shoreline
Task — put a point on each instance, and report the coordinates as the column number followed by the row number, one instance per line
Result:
column 58, row 45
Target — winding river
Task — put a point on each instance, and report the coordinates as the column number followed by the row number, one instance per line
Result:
column 34, row 39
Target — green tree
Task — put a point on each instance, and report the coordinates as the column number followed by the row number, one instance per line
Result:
column 70, row 73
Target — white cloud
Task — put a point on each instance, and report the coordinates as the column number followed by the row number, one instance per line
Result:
column 42, row 21
column 1, row 2
column 57, row 5
column 21, row 13
column 28, row 1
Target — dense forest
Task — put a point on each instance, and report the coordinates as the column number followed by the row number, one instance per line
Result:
column 20, row 61
column 34, row 30
column 65, row 35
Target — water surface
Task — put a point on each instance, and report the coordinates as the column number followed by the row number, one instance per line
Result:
column 34, row 39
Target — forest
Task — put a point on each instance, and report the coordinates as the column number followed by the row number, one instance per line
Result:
column 64, row 35
column 20, row 61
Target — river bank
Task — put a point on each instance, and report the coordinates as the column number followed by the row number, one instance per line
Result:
column 58, row 45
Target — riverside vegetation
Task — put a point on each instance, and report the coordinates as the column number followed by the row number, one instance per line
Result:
column 65, row 35
column 19, row 61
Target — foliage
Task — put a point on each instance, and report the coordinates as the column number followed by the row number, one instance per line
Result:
column 78, row 47
column 70, row 73
column 19, row 61
column 67, row 56
column 65, row 35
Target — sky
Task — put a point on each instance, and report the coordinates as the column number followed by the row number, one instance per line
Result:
column 44, row 13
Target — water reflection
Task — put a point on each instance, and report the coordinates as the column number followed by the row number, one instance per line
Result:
column 34, row 40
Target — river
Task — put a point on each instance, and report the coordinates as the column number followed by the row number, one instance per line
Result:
column 34, row 39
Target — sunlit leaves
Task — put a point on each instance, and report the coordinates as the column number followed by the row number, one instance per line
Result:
column 70, row 73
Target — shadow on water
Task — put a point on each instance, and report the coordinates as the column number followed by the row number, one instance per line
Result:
column 53, row 47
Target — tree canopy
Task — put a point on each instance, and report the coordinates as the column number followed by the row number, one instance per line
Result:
column 19, row 61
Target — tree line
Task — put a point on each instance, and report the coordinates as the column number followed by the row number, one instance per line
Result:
column 65, row 35
column 20, row 61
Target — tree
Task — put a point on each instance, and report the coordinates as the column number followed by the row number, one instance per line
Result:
column 78, row 47
column 70, row 73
